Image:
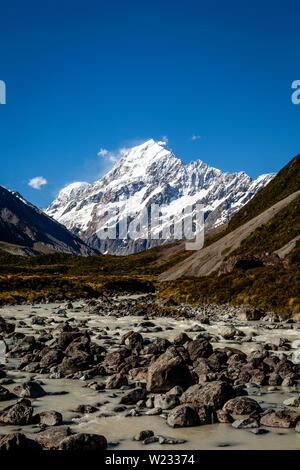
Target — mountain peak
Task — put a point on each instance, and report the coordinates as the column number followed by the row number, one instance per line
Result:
column 151, row 173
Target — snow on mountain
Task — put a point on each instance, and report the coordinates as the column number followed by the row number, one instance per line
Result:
column 146, row 174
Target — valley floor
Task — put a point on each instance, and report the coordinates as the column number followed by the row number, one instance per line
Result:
column 88, row 405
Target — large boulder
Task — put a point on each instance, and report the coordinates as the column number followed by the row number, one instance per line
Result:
column 50, row 418
column 242, row 406
column 166, row 401
column 183, row 416
column 133, row 396
column 26, row 345
column 29, row 389
column 167, row 371
column 199, row 348
column 67, row 337
column 227, row 332
column 80, row 361
column 249, row 313
column 133, row 340
column 14, row 441
column 83, row 442
column 214, row 394
column 281, row 418
column 51, row 358
column 116, row 381
column 19, row 414
column 51, row 438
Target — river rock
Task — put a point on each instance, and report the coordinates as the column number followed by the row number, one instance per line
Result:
column 224, row 417
column 29, row 389
column 293, row 401
column 166, row 402
column 52, row 437
column 242, row 406
column 133, row 396
column 14, row 441
column 199, row 348
column 227, row 332
column 215, row 394
column 4, row 394
column 245, row 423
column 83, row 442
column 142, row 435
column 281, row 418
column 183, row 416
column 18, row 414
column 50, row 418
column 116, row 381
column 168, row 371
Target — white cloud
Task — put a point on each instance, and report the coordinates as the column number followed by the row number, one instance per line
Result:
column 102, row 152
column 196, row 137
column 37, row 182
column 163, row 141
column 112, row 157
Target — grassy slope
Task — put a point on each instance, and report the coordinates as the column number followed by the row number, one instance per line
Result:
column 285, row 183
column 270, row 287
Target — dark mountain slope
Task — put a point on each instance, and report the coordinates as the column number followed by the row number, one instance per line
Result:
column 25, row 229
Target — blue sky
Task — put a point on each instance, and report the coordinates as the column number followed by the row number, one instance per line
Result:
column 84, row 75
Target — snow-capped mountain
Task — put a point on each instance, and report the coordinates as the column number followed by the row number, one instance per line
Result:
column 146, row 174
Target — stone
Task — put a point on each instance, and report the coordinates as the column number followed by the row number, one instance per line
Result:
column 177, row 390
column 293, row 401
column 133, row 340
column 83, row 442
column 14, row 441
column 52, row 357
column 29, row 389
column 249, row 313
column 50, row 418
column 281, row 418
column 52, row 437
column 86, row 409
column 133, row 396
column 166, row 402
column 183, row 416
column 181, row 339
column 259, row 431
column 227, row 332
column 224, row 417
column 214, row 394
column 142, row 435
column 245, row 423
column 242, row 406
column 4, row 394
column 116, row 381
column 199, row 348
column 170, row 440
column 168, row 371
column 79, row 361
column 18, row 414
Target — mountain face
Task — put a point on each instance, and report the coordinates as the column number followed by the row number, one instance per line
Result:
column 25, row 229
column 147, row 174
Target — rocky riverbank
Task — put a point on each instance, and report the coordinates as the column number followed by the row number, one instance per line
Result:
column 125, row 372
